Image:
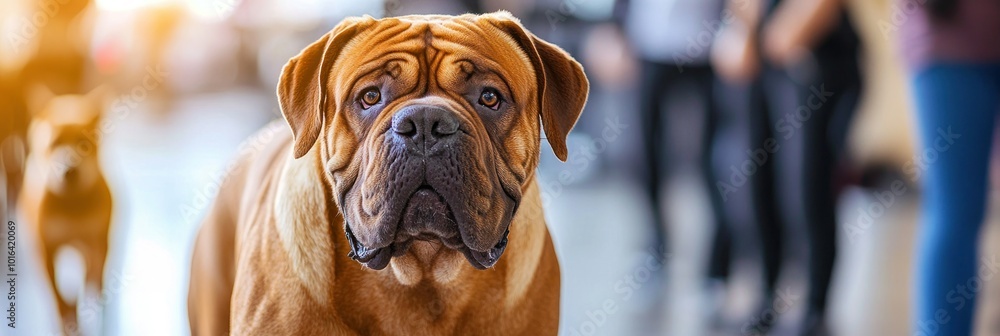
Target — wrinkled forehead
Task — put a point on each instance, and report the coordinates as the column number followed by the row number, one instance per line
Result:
column 426, row 41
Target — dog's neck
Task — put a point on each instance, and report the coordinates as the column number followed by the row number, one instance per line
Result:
column 310, row 237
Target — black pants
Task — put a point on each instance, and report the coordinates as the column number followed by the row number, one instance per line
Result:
column 808, row 118
column 659, row 81
column 804, row 111
column 746, row 185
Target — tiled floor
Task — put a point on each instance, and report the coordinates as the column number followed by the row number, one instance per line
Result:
column 162, row 169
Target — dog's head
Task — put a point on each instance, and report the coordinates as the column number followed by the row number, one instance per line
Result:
column 63, row 139
column 429, row 126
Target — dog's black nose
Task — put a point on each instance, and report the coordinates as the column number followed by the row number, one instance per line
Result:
column 421, row 127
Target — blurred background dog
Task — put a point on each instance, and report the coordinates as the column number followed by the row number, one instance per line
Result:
column 65, row 198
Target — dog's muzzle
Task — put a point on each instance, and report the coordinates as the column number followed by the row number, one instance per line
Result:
column 429, row 136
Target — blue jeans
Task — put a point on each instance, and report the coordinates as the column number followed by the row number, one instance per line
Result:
column 956, row 106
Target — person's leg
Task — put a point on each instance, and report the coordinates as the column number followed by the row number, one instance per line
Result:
column 765, row 198
column 652, row 90
column 956, row 107
column 820, row 158
column 721, row 251
column 764, row 191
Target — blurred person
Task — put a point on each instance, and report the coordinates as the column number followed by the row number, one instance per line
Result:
column 880, row 142
column 745, row 121
column 65, row 200
column 875, row 143
column 952, row 50
column 806, row 88
column 671, row 39
column 815, row 44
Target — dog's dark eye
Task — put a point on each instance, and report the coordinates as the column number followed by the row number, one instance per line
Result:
column 490, row 98
column 370, row 97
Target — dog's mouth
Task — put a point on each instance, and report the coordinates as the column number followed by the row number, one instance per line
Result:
column 427, row 216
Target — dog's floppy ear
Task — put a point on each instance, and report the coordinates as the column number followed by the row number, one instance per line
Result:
column 563, row 85
column 302, row 86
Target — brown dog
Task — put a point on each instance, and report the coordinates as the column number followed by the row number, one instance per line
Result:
column 65, row 199
column 414, row 145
